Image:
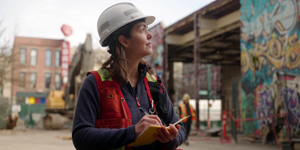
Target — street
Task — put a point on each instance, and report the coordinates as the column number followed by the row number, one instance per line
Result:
column 39, row 139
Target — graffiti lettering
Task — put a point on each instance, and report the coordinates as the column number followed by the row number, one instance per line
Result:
column 282, row 17
column 280, row 52
column 270, row 43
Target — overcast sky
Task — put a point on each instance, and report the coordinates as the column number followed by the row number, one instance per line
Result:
column 44, row 18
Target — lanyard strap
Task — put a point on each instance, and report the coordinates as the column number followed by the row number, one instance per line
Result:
column 153, row 108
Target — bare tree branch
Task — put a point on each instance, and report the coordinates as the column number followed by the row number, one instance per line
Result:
column 7, row 57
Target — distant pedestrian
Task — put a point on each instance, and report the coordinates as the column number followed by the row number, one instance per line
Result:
column 186, row 109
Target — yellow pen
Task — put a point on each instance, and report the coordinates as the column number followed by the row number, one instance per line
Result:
column 181, row 120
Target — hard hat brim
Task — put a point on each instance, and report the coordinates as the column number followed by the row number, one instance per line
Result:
column 148, row 20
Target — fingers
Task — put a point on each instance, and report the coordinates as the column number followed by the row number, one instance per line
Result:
column 177, row 127
column 166, row 135
column 148, row 120
column 163, row 135
column 155, row 117
column 145, row 122
column 174, row 130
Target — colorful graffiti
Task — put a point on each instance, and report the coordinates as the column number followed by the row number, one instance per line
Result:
column 270, row 45
column 280, row 52
column 249, row 112
column 158, row 48
column 291, row 99
column 265, row 108
column 261, row 17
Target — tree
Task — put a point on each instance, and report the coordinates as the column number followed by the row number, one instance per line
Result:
column 6, row 58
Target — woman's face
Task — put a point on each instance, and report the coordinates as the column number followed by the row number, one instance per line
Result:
column 139, row 44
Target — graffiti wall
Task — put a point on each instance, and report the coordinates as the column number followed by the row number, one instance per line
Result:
column 270, row 62
column 156, row 58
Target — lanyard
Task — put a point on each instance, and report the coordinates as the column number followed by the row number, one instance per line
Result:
column 151, row 109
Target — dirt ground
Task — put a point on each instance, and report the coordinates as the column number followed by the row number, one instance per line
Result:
column 39, row 139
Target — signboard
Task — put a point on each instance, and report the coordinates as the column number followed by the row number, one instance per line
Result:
column 16, row 108
column 67, row 30
column 65, row 61
column 203, row 92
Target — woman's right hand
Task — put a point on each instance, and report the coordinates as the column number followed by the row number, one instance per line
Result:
column 145, row 122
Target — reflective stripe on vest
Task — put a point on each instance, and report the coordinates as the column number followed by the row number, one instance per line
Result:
column 184, row 112
column 104, row 74
column 151, row 78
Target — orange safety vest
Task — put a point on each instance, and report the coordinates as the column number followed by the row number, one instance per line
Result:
column 184, row 112
column 117, row 114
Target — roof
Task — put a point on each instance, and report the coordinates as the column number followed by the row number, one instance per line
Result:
column 32, row 41
column 219, row 34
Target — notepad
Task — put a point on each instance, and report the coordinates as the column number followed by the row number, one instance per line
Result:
column 146, row 137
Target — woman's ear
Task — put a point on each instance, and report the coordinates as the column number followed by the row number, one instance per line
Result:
column 123, row 41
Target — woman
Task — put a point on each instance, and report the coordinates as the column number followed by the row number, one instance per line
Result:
column 123, row 28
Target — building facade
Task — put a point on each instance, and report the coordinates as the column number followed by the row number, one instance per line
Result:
column 36, row 69
column 189, row 81
column 270, row 59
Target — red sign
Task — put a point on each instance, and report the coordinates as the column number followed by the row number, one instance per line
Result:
column 65, row 61
column 67, row 30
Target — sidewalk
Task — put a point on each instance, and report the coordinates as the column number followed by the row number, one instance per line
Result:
column 196, row 143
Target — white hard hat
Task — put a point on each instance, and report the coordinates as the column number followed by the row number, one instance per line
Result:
column 118, row 16
column 186, row 96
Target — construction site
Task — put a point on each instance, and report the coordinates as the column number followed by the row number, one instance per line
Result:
column 238, row 59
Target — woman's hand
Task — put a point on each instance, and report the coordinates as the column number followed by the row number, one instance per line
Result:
column 165, row 135
column 145, row 122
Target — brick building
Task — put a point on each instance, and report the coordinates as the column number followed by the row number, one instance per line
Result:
column 189, row 81
column 36, row 69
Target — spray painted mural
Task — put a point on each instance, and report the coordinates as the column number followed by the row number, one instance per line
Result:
column 270, row 61
column 158, row 48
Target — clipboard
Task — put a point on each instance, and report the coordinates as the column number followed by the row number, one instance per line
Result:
column 146, row 137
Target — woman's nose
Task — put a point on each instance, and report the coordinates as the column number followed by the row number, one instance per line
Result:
column 149, row 36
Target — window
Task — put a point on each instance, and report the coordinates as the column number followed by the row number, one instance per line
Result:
column 23, row 56
column 57, row 58
column 203, row 77
column 192, row 80
column 185, row 81
column 47, row 80
column 214, row 76
column 22, row 80
column 48, row 58
column 32, row 80
column 33, row 57
column 57, row 81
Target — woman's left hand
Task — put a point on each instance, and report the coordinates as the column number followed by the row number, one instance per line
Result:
column 165, row 135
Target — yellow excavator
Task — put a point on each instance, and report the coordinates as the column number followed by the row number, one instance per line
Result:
column 60, row 104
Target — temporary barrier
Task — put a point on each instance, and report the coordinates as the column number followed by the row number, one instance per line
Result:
column 268, row 117
column 226, row 117
column 224, row 120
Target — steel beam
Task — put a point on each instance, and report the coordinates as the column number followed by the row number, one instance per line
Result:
column 196, row 63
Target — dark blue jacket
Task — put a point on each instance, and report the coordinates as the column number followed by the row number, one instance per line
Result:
column 86, row 137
